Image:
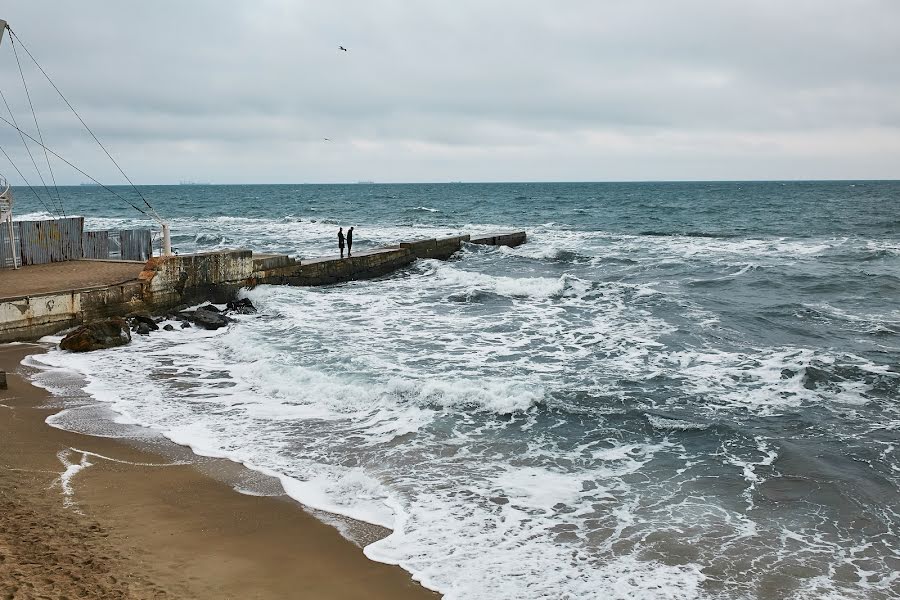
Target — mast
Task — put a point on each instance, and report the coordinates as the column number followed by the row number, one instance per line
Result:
column 6, row 200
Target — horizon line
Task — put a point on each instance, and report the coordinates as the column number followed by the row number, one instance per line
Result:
column 483, row 182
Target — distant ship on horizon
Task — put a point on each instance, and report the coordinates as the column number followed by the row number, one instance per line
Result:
column 364, row 182
column 189, row 182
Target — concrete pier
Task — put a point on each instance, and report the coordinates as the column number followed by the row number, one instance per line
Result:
column 42, row 300
column 366, row 264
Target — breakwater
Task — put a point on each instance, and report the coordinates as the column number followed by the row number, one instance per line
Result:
column 31, row 307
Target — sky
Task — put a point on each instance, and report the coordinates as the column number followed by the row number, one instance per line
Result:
column 458, row 90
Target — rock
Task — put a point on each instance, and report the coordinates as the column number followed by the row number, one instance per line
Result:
column 185, row 325
column 211, row 308
column 143, row 329
column 242, row 307
column 137, row 319
column 168, row 327
column 98, row 335
column 206, row 319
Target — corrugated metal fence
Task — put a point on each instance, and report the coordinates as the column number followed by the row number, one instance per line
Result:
column 96, row 244
column 7, row 260
column 135, row 244
column 57, row 240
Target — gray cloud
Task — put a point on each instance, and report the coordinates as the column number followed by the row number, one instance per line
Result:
column 587, row 90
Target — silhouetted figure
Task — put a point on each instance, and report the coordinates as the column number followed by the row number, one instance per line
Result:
column 341, row 240
column 349, row 241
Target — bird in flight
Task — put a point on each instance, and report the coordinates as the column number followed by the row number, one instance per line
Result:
column 342, row 48
column 327, row 139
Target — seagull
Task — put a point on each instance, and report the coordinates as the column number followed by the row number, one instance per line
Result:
column 327, row 139
column 342, row 48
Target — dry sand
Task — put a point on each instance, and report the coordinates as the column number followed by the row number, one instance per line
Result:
column 154, row 529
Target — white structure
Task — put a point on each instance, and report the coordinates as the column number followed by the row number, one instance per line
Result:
column 6, row 202
column 6, row 199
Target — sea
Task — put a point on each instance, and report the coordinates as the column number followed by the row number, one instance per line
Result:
column 671, row 391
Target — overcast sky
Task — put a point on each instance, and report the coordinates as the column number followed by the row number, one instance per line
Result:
column 577, row 90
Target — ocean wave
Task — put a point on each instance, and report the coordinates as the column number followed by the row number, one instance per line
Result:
column 513, row 287
column 672, row 424
column 778, row 379
column 689, row 234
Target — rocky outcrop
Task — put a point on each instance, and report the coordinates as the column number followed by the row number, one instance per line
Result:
column 241, row 307
column 205, row 318
column 142, row 323
column 98, row 335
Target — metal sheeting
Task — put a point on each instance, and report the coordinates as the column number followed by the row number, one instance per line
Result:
column 56, row 240
column 135, row 244
column 96, row 244
column 6, row 258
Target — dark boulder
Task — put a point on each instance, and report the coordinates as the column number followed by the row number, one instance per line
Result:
column 210, row 308
column 242, row 307
column 185, row 325
column 206, row 319
column 136, row 319
column 142, row 329
column 168, row 327
column 98, row 335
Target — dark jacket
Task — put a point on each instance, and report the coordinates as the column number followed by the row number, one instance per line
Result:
column 340, row 239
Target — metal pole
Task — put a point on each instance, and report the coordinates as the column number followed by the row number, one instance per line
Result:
column 167, row 240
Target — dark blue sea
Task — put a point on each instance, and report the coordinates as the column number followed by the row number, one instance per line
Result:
column 673, row 390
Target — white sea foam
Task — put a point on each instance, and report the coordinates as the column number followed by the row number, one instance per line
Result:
column 665, row 423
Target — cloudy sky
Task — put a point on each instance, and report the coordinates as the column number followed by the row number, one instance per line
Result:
column 473, row 90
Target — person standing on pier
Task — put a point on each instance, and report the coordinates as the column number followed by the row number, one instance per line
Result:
column 341, row 240
column 349, row 241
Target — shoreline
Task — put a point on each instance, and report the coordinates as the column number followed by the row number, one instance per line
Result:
column 104, row 517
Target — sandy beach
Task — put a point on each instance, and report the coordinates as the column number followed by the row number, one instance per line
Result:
column 133, row 524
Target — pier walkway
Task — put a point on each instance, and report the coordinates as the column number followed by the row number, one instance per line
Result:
column 41, row 300
column 66, row 276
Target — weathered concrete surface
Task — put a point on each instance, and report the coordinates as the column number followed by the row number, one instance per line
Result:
column 267, row 262
column 163, row 284
column 513, row 239
column 334, row 269
column 174, row 280
column 65, row 276
column 441, row 249
column 31, row 317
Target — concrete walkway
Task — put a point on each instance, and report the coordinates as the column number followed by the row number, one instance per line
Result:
column 64, row 276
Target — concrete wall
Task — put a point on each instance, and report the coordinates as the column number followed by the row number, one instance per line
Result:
column 164, row 284
column 440, row 249
column 363, row 265
column 175, row 280
column 513, row 239
column 29, row 318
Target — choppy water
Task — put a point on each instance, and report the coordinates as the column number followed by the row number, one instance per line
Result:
column 672, row 391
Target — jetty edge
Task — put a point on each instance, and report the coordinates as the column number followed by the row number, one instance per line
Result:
column 46, row 299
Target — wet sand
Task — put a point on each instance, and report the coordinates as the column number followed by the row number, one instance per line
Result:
column 157, row 528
